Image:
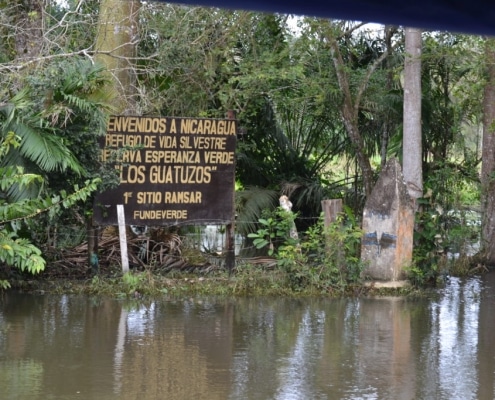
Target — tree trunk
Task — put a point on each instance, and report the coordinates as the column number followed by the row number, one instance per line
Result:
column 350, row 113
column 116, row 46
column 389, row 33
column 412, row 145
column 488, row 157
column 352, row 128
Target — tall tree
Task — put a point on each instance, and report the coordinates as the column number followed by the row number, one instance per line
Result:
column 116, row 46
column 412, row 138
column 353, row 88
column 350, row 110
column 488, row 156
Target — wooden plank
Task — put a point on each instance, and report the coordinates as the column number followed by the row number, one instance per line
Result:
column 331, row 209
column 122, row 238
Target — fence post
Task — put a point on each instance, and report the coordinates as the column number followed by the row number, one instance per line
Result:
column 92, row 239
column 122, row 238
column 230, row 228
column 331, row 209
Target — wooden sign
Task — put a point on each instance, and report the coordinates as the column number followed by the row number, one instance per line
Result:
column 172, row 170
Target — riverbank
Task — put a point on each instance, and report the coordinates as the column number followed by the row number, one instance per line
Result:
column 245, row 280
column 192, row 274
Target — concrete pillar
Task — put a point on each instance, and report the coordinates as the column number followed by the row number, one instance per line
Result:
column 388, row 225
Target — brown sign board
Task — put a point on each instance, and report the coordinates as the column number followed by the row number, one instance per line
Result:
column 172, row 170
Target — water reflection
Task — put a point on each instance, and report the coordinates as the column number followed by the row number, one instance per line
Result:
column 67, row 347
column 450, row 350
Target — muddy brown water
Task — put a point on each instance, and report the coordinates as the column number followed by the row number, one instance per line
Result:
column 79, row 347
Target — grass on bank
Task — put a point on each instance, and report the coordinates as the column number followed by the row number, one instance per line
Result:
column 249, row 280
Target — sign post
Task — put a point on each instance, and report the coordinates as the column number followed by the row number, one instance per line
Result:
column 172, row 171
column 122, row 238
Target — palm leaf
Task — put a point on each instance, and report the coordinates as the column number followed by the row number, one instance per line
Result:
column 249, row 205
column 44, row 149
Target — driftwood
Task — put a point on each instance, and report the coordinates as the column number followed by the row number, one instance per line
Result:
column 160, row 253
column 143, row 253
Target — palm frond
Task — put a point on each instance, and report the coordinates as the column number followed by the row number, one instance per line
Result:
column 44, row 149
column 306, row 195
column 249, row 205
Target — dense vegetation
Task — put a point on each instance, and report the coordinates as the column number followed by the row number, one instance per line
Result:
column 320, row 107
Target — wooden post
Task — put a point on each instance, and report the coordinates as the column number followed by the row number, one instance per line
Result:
column 230, row 228
column 122, row 238
column 230, row 244
column 92, row 240
column 331, row 209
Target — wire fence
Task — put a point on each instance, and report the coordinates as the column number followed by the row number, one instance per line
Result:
column 203, row 235
column 161, row 248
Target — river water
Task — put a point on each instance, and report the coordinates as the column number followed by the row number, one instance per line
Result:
column 78, row 347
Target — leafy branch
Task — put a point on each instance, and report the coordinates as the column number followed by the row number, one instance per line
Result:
column 29, row 208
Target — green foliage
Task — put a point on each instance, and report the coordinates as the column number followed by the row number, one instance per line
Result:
column 447, row 221
column 249, row 205
column 132, row 281
column 274, row 231
column 130, row 285
column 37, row 142
column 15, row 250
column 427, row 249
column 328, row 259
column 14, row 213
column 325, row 259
column 51, row 122
column 20, row 253
column 4, row 284
column 289, row 100
column 252, row 280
